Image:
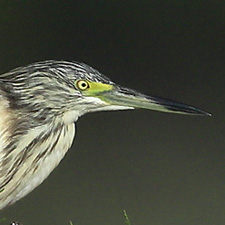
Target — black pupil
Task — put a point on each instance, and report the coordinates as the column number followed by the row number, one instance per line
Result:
column 83, row 85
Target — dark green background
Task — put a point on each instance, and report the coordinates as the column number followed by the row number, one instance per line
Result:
column 164, row 169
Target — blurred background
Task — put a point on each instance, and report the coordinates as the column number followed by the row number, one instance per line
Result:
column 163, row 169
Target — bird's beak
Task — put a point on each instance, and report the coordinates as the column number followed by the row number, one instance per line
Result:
column 125, row 97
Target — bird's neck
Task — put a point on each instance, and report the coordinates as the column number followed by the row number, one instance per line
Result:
column 32, row 158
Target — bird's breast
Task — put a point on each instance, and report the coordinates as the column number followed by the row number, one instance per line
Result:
column 35, row 156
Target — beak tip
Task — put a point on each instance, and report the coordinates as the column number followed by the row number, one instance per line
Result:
column 207, row 114
column 201, row 113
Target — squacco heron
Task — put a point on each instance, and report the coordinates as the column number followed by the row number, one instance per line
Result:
column 39, row 105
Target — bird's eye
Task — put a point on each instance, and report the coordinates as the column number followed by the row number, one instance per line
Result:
column 82, row 85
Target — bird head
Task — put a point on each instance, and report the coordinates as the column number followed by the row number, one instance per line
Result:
column 47, row 89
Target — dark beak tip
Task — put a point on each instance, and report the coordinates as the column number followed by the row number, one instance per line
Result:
column 207, row 114
column 202, row 113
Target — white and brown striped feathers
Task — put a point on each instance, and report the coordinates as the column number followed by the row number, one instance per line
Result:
column 28, row 159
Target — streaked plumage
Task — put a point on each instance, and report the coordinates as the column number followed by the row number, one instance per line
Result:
column 39, row 105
